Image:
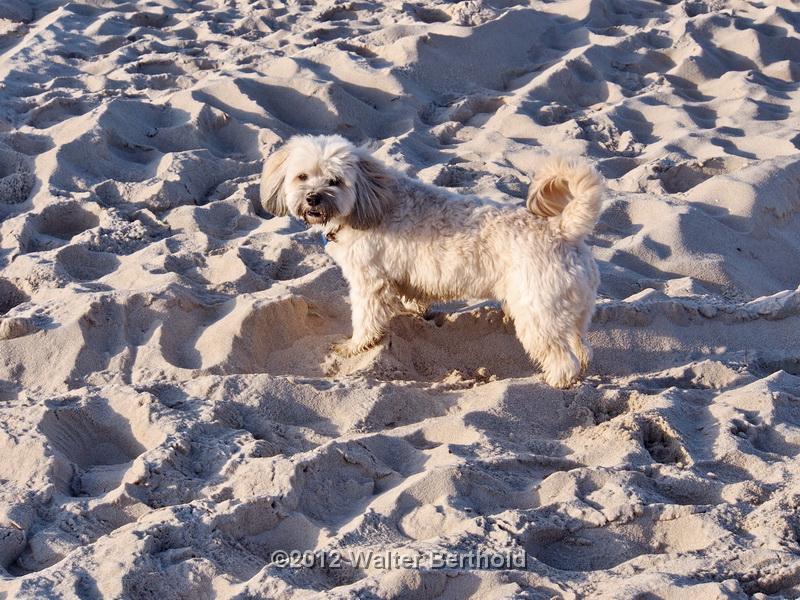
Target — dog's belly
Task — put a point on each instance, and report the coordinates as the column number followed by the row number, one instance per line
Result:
column 424, row 294
column 444, row 282
column 442, row 269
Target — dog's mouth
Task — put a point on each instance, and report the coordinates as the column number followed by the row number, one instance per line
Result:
column 314, row 217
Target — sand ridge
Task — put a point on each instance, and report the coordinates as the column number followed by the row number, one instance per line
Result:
column 169, row 417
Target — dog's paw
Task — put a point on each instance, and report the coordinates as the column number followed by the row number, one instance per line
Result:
column 344, row 348
column 560, row 384
column 560, row 379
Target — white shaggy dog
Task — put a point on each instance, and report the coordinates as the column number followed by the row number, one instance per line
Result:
column 403, row 244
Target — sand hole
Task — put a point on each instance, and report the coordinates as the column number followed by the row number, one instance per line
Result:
column 471, row 106
column 156, row 19
column 455, row 176
column 662, row 445
column 764, row 367
column 83, row 264
column 90, row 438
column 29, row 144
column 57, row 110
column 596, row 549
column 335, row 483
column 338, row 13
column 10, row 296
column 684, row 176
column 65, row 220
column 778, row 440
column 158, row 67
column 430, row 15
column 361, row 51
column 261, row 525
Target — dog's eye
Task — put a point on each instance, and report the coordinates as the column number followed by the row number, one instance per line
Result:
column 302, row 177
column 335, row 181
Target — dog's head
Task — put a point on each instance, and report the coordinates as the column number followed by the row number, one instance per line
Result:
column 325, row 180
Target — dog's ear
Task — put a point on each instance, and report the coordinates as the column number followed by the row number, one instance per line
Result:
column 372, row 189
column 273, row 199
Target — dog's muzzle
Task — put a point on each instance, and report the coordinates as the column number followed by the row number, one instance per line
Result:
column 318, row 207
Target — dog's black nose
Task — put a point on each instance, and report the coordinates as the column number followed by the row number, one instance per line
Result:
column 314, row 199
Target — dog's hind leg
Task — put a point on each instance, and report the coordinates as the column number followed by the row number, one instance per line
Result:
column 579, row 342
column 548, row 341
column 581, row 349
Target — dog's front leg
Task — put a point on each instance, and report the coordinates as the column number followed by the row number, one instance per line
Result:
column 371, row 312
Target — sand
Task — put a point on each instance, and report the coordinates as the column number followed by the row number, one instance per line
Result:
column 169, row 418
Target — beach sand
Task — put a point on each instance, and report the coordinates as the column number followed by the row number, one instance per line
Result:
column 169, row 415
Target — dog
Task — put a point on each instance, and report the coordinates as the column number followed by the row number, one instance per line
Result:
column 403, row 244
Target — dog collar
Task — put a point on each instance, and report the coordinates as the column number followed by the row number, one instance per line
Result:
column 329, row 236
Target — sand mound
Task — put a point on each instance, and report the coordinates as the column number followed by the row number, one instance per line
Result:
column 170, row 417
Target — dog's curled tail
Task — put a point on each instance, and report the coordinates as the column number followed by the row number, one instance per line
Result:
column 568, row 192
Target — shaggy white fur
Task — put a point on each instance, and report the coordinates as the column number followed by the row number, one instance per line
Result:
column 403, row 244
